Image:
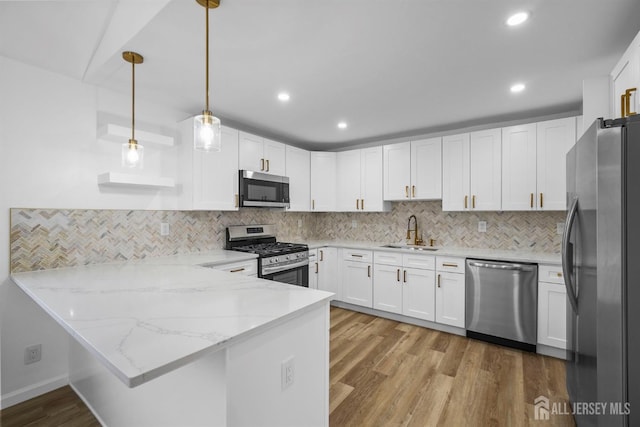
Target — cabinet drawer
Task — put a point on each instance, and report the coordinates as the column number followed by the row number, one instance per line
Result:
column 424, row 262
column 357, row 255
column 454, row 265
column 550, row 274
column 248, row 268
column 387, row 258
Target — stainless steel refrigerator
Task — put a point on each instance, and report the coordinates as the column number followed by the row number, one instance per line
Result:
column 601, row 262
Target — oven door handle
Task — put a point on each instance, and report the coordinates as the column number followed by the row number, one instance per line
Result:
column 278, row 268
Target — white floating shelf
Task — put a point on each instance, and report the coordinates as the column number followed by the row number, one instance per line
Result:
column 118, row 179
column 118, row 133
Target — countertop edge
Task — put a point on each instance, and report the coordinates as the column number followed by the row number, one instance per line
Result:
column 478, row 253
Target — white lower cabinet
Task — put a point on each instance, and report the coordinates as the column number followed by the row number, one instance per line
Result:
column 401, row 289
column 328, row 274
column 418, row 299
column 552, row 307
column 387, row 288
column 450, row 291
column 357, row 277
column 314, row 269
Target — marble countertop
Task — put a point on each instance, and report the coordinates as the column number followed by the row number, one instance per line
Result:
column 144, row 319
column 497, row 254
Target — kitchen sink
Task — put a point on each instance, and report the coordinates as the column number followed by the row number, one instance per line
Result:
column 411, row 247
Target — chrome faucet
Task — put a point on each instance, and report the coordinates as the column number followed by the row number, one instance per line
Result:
column 416, row 240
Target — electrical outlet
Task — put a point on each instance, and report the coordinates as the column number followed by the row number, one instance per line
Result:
column 559, row 227
column 32, row 354
column 354, row 223
column 288, row 372
column 482, row 226
column 164, row 228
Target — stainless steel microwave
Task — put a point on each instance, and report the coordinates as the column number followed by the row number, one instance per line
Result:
column 263, row 190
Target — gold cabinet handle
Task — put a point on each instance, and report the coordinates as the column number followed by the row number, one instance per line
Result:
column 473, row 201
column 449, row 264
column 316, row 268
column 237, row 270
column 541, row 200
column 466, row 198
column 623, row 105
column 313, row 204
column 559, row 274
column 531, row 200
column 413, row 191
column 237, row 201
column 356, row 255
column 362, row 204
column 406, row 191
column 357, row 204
column 267, row 165
column 262, row 164
column 404, row 276
column 321, row 255
column 368, row 271
column 628, row 93
column 438, row 280
column 398, row 275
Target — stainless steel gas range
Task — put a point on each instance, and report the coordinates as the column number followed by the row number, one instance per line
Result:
column 279, row 261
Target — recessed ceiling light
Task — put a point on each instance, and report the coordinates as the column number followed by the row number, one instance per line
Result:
column 518, row 87
column 517, row 18
column 283, row 96
column 342, row 125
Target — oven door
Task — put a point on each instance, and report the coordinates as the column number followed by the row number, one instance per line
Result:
column 298, row 276
column 263, row 190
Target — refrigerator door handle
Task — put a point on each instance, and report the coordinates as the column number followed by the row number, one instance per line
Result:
column 566, row 256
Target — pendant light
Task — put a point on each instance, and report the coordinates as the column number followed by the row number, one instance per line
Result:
column 206, row 127
column 132, row 152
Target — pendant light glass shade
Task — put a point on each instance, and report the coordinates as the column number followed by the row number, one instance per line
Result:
column 132, row 152
column 132, row 155
column 206, row 132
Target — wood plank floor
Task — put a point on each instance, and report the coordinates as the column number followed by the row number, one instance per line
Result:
column 386, row 373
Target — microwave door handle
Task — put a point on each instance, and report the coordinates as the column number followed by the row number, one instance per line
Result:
column 567, row 255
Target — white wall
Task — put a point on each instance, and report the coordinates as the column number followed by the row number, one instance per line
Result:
column 50, row 158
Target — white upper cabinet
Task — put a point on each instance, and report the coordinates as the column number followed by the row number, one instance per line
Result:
column 625, row 77
column 397, row 171
column 261, row 154
column 413, row 170
column 426, row 169
column 519, row 191
column 209, row 180
column 323, row 181
column 555, row 138
column 298, row 164
column 534, row 164
column 486, row 170
column 360, row 180
column 455, row 172
column 471, row 171
column 371, row 180
column 348, row 192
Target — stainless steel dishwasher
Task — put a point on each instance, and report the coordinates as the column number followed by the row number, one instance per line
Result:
column 501, row 302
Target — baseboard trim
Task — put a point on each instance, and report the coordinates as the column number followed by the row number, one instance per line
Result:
column 546, row 350
column 400, row 318
column 35, row 390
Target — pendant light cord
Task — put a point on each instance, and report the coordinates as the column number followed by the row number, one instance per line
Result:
column 206, row 11
column 133, row 99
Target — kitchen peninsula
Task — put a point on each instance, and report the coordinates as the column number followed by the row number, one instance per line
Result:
column 166, row 341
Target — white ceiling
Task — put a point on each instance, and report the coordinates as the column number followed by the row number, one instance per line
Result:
column 388, row 68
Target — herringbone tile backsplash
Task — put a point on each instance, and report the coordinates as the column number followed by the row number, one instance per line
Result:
column 53, row 238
